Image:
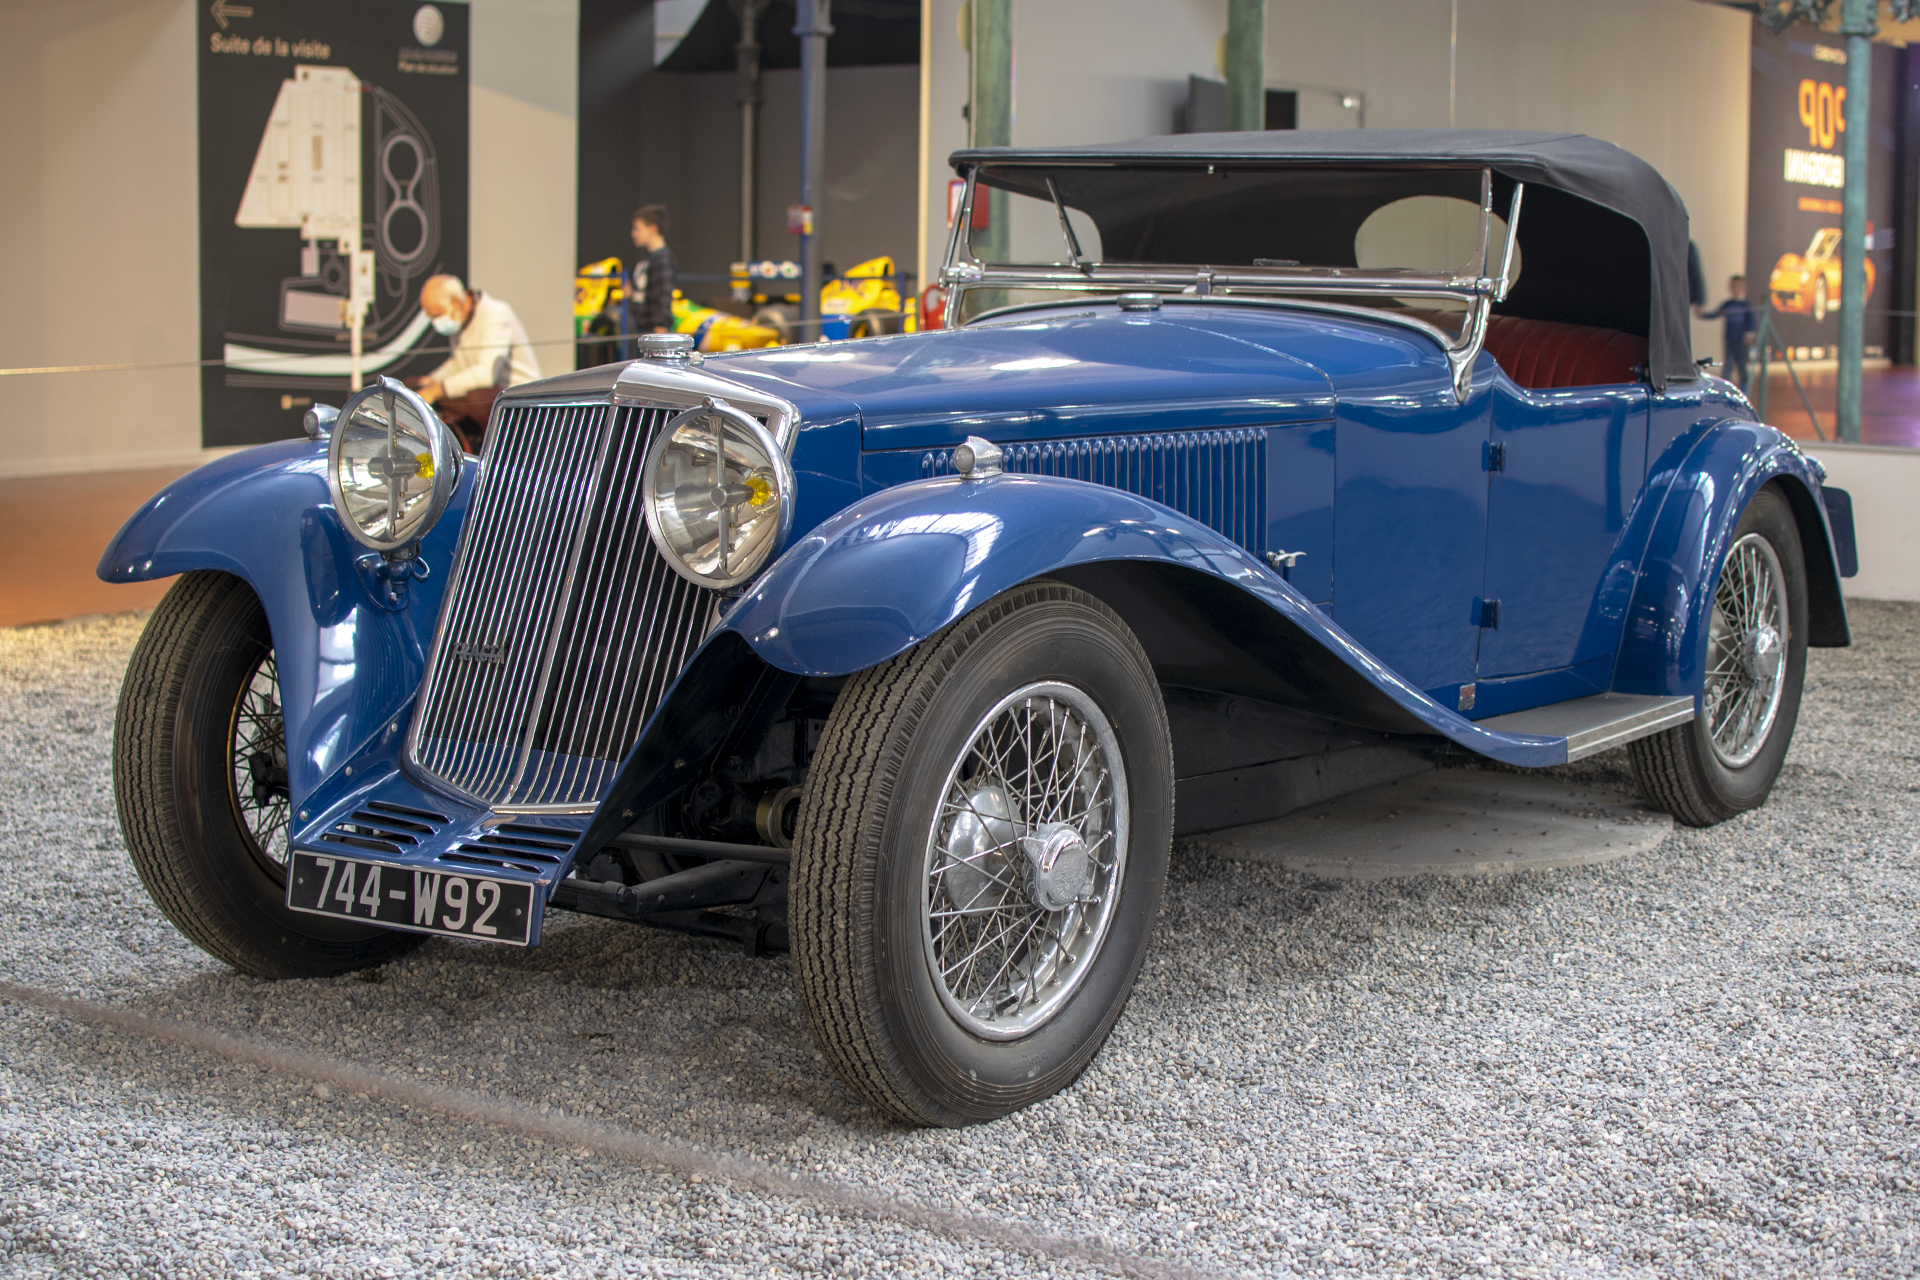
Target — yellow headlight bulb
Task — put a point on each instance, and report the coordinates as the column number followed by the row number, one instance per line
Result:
column 424, row 463
column 759, row 492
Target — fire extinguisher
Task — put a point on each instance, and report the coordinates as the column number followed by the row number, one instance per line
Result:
column 933, row 307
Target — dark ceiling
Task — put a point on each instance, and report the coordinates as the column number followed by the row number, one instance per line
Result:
column 866, row 33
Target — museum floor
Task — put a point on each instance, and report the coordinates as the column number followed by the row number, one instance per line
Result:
column 1889, row 404
column 54, row 527
column 1692, row 1062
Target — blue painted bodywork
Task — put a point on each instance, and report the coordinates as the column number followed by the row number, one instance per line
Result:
column 1130, row 427
column 348, row 666
column 898, row 566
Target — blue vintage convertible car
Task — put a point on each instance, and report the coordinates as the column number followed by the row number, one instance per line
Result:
column 1251, row 470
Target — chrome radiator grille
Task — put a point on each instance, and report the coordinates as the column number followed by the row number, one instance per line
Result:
column 564, row 626
column 1217, row 477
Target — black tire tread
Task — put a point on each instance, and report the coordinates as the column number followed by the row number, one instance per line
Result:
column 1663, row 769
column 143, row 772
column 838, row 842
column 149, row 794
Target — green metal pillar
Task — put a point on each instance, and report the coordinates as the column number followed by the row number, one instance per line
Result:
column 1246, row 64
column 1858, row 24
column 990, row 110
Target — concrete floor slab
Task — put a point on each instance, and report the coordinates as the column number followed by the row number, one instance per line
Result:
column 1457, row 822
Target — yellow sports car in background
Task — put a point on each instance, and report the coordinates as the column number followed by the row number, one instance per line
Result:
column 716, row 330
column 1809, row 283
column 863, row 303
column 598, row 289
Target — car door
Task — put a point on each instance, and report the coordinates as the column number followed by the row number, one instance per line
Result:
column 1410, row 529
column 1564, row 466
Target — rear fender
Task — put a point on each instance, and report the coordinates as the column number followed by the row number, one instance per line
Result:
column 348, row 665
column 1708, row 478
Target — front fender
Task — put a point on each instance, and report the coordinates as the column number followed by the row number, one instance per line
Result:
column 1708, row 477
column 899, row 565
column 348, row 666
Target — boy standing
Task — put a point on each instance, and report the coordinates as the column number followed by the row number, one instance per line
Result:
column 1736, row 314
column 649, row 303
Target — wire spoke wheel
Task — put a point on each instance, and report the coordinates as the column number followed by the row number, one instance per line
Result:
column 1746, row 651
column 1753, row 661
column 258, row 749
column 979, row 857
column 1025, row 852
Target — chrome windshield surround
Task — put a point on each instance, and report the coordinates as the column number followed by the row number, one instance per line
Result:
column 1312, row 286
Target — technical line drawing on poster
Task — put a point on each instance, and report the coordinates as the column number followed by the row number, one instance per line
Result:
column 307, row 175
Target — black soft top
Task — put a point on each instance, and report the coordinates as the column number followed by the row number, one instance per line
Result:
column 1569, row 163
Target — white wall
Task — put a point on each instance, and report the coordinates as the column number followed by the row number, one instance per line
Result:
column 99, row 234
column 1666, row 79
column 1084, row 71
column 1884, row 483
column 99, row 214
column 524, row 93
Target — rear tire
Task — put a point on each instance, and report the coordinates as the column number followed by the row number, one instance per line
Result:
column 980, row 855
column 1726, row 760
column 199, row 775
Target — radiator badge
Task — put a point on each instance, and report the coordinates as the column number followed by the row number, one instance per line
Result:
column 490, row 651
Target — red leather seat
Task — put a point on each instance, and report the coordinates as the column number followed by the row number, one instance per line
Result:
column 1543, row 354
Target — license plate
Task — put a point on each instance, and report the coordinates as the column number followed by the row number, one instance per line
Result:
column 454, row 906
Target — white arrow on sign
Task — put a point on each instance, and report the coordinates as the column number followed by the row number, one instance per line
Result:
column 222, row 11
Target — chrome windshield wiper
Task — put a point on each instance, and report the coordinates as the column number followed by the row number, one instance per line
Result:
column 1066, row 228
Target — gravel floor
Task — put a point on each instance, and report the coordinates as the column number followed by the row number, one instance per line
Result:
column 1701, row 1061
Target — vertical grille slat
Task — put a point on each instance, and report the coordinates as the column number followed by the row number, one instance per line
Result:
column 1218, row 478
column 564, row 625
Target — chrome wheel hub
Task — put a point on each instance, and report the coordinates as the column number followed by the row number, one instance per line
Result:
column 1059, row 868
column 1746, row 651
column 1760, row 653
column 1024, row 860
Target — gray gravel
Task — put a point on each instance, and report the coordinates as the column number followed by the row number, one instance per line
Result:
column 1704, row 1060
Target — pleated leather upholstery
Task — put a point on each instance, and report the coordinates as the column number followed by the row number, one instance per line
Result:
column 1544, row 354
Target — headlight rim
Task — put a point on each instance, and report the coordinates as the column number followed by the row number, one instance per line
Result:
column 445, row 451
column 785, row 486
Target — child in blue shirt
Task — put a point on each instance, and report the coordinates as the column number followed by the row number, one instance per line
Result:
column 1736, row 314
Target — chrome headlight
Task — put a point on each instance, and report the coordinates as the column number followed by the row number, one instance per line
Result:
column 719, row 494
column 392, row 466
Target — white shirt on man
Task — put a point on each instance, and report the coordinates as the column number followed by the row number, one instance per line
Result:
column 492, row 350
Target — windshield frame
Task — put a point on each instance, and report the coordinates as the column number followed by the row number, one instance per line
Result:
column 963, row 272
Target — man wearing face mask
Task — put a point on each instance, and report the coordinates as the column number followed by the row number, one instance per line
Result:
column 490, row 353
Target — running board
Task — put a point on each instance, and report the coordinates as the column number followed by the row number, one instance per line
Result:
column 1596, row 724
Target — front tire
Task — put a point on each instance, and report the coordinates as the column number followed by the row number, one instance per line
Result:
column 980, row 856
column 1726, row 760
column 199, row 775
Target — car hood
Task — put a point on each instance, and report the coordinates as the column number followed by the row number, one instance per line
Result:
column 1095, row 370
